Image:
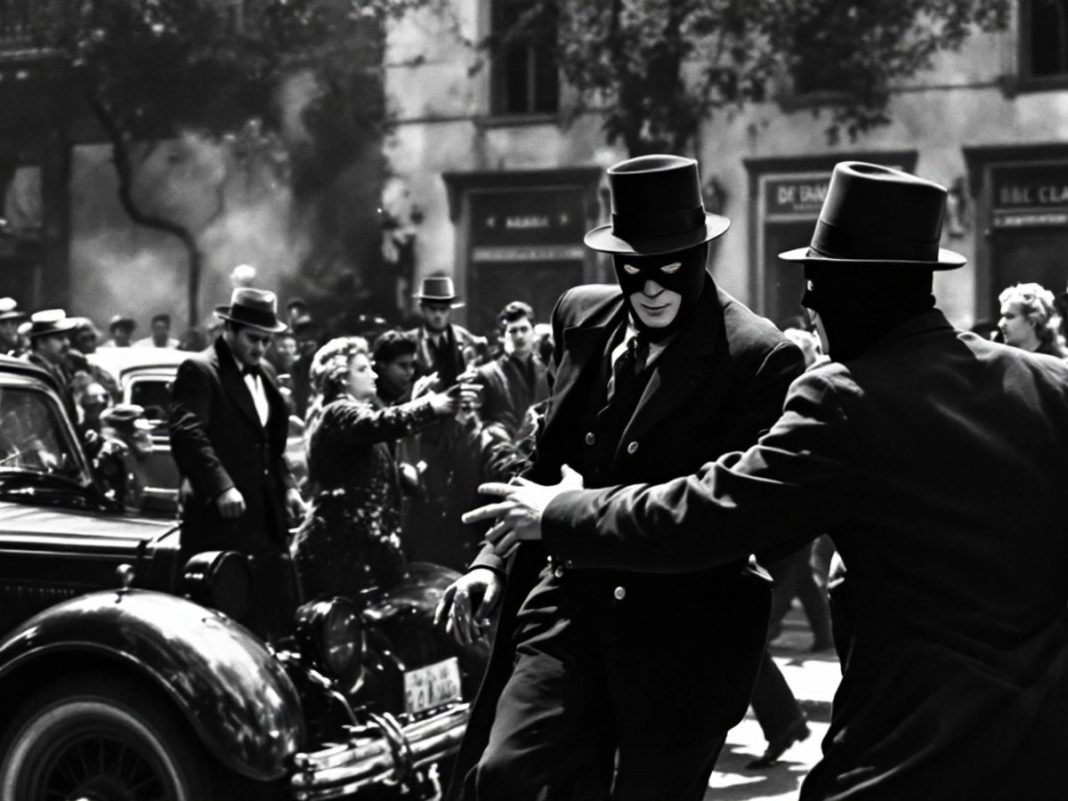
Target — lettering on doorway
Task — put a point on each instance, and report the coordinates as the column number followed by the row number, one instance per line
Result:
column 1030, row 196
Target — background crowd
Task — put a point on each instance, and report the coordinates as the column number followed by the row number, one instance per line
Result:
column 401, row 425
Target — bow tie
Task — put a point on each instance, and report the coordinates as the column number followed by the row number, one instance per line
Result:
column 250, row 369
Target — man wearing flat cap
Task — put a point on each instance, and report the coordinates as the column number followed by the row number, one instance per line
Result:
column 936, row 460
column 611, row 683
column 228, row 434
column 121, row 328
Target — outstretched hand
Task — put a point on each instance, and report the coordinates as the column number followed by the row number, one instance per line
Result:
column 518, row 514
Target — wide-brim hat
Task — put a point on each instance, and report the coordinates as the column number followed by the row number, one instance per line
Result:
column 656, row 208
column 50, row 321
column 9, row 310
column 438, row 289
column 256, row 308
column 127, row 416
column 879, row 216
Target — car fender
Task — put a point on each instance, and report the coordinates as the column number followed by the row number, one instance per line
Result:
column 234, row 692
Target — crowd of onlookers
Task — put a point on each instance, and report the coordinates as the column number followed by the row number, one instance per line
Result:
column 423, row 467
column 492, row 386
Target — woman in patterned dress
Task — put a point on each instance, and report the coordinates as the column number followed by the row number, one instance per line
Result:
column 350, row 537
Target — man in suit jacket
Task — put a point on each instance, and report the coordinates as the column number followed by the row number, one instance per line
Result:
column 228, row 434
column 652, row 378
column 515, row 380
column 936, row 461
column 440, row 344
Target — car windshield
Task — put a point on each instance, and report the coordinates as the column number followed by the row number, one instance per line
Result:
column 153, row 395
column 32, row 440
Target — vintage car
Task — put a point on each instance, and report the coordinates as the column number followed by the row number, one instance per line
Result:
column 124, row 676
column 144, row 377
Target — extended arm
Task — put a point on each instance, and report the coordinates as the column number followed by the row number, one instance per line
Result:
column 801, row 479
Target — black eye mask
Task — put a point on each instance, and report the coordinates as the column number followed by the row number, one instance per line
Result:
column 688, row 281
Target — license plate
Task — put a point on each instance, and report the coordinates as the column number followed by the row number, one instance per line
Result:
column 431, row 686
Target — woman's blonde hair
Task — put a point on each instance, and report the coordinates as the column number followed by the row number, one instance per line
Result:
column 330, row 366
column 1036, row 304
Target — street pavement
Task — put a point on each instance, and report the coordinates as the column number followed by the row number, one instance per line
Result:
column 813, row 678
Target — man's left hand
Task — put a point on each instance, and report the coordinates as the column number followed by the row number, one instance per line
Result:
column 294, row 506
column 518, row 514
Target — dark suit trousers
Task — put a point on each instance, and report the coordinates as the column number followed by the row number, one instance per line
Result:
column 570, row 704
column 773, row 701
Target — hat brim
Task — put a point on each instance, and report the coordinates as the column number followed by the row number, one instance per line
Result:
column 62, row 327
column 223, row 313
column 602, row 239
column 947, row 260
column 13, row 315
column 453, row 302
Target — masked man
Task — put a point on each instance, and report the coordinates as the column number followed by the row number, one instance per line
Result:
column 935, row 459
column 611, row 667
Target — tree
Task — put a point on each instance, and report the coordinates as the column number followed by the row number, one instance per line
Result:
column 151, row 70
column 657, row 68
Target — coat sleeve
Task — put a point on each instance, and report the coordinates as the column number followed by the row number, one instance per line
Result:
column 760, row 402
column 357, row 424
column 799, row 480
column 191, row 397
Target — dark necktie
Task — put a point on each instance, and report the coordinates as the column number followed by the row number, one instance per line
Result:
column 250, row 369
column 630, row 363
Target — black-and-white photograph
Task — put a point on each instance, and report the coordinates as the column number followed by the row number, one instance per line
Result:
column 533, row 400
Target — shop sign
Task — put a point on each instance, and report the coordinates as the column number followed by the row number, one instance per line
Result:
column 1030, row 197
column 795, row 197
column 528, row 225
column 528, row 253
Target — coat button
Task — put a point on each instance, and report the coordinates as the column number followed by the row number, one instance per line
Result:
column 632, row 448
column 590, row 438
column 619, row 593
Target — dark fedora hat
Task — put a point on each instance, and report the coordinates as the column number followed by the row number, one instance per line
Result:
column 9, row 310
column 256, row 308
column 438, row 289
column 656, row 208
column 127, row 417
column 878, row 215
column 50, row 321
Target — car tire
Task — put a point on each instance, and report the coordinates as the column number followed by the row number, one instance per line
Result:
column 98, row 736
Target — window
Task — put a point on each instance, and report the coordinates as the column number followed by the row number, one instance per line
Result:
column 524, row 75
column 1043, row 44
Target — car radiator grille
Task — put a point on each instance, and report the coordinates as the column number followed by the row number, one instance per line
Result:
column 19, row 601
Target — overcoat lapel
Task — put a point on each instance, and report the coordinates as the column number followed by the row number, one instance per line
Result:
column 681, row 369
column 584, row 347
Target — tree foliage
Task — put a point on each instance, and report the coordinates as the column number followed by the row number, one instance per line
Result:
column 152, row 69
column 658, row 67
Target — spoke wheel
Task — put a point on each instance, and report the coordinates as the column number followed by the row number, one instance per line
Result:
column 95, row 739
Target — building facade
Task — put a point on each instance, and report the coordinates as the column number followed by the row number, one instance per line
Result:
column 507, row 185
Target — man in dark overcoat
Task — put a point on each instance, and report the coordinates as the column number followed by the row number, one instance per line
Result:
column 936, row 460
column 597, row 668
column 228, row 430
column 440, row 343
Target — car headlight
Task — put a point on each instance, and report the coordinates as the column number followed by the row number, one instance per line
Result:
column 330, row 635
column 220, row 580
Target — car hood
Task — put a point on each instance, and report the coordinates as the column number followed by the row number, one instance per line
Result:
column 20, row 520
